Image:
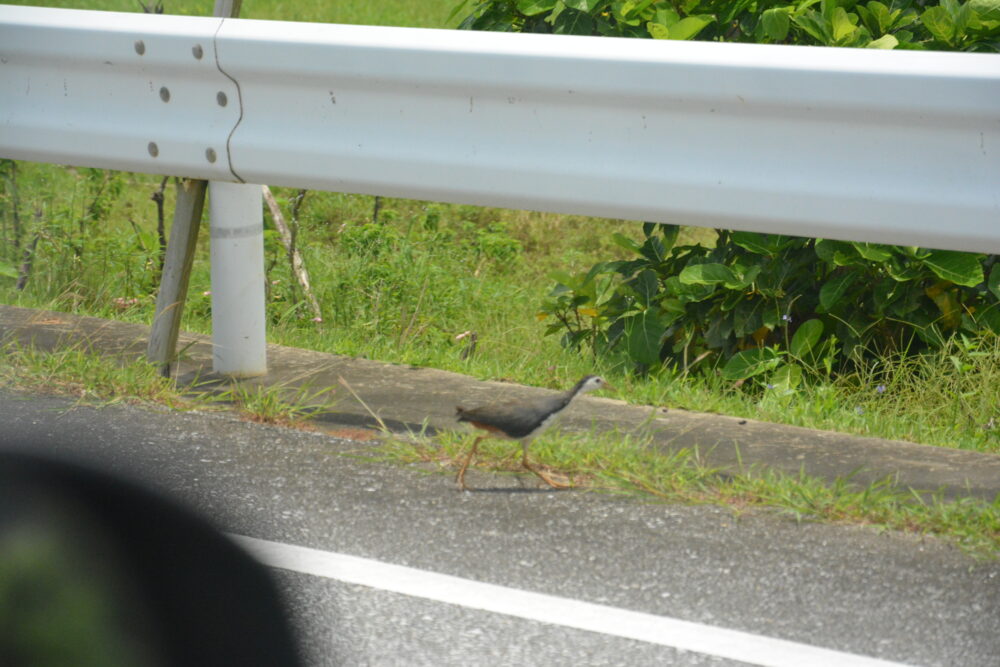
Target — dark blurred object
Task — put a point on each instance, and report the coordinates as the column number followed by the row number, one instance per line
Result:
column 97, row 570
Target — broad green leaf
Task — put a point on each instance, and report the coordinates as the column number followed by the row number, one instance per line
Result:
column 689, row 27
column 657, row 30
column 842, row 26
column 731, row 300
column 916, row 252
column 986, row 10
column 646, row 286
column 670, row 234
column 666, row 16
column 872, row 16
column 749, row 276
column 993, row 284
column 687, row 293
column 832, row 291
column 846, row 258
column 873, row 251
column 573, row 22
column 762, row 244
column 653, row 250
column 824, row 249
column 583, row 5
column 883, row 42
column 776, row 23
column 838, row 253
column 599, row 268
column 748, row 363
column 535, row 7
column 562, row 278
column 633, row 9
column 672, row 309
column 885, row 293
column 961, row 268
column 786, row 378
column 7, row 270
column 990, row 318
column 707, row 274
column 626, row 242
column 499, row 18
column 815, row 25
column 719, row 332
column 642, row 338
column 623, row 12
column 805, row 338
column 962, row 17
column 939, row 23
column 726, row 11
column 827, row 8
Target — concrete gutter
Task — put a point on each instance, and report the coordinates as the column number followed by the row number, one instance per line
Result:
column 408, row 398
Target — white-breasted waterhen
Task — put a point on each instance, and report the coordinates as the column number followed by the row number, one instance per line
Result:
column 522, row 420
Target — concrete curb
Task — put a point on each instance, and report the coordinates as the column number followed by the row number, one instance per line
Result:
column 410, row 398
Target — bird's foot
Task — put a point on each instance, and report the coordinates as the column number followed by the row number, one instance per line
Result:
column 460, row 479
column 545, row 477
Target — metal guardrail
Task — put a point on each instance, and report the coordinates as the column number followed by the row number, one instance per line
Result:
column 866, row 145
column 861, row 144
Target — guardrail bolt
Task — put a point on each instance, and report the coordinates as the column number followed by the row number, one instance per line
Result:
column 164, row 94
column 197, row 51
column 153, row 149
column 222, row 99
column 210, row 155
column 140, row 47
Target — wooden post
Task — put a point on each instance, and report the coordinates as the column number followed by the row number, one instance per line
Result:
column 229, row 9
column 176, row 273
column 180, row 253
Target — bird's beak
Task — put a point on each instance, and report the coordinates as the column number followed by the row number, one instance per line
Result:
column 608, row 387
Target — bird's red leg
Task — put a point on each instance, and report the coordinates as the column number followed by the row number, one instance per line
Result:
column 460, row 479
column 545, row 478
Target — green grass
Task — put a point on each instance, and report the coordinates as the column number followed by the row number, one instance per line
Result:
column 278, row 405
column 94, row 379
column 77, row 371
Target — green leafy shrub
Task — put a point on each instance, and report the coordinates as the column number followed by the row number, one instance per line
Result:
column 369, row 239
column 770, row 305
column 759, row 305
column 909, row 24
column 495, row 242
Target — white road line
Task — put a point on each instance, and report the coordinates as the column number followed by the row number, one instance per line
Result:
column 686, row 635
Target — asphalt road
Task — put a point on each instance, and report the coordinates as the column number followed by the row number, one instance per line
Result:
column 854, row 590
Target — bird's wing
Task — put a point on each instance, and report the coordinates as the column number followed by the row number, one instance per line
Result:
column 517, row 418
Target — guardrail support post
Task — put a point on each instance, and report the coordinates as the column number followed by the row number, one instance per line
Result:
column 176, row 272
column 237, row 257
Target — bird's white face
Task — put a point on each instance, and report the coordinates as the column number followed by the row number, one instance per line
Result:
column 595, row 382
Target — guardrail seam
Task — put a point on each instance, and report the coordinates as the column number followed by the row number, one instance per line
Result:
column 239, row 97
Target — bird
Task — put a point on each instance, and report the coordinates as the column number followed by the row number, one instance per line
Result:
column 522, row 420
